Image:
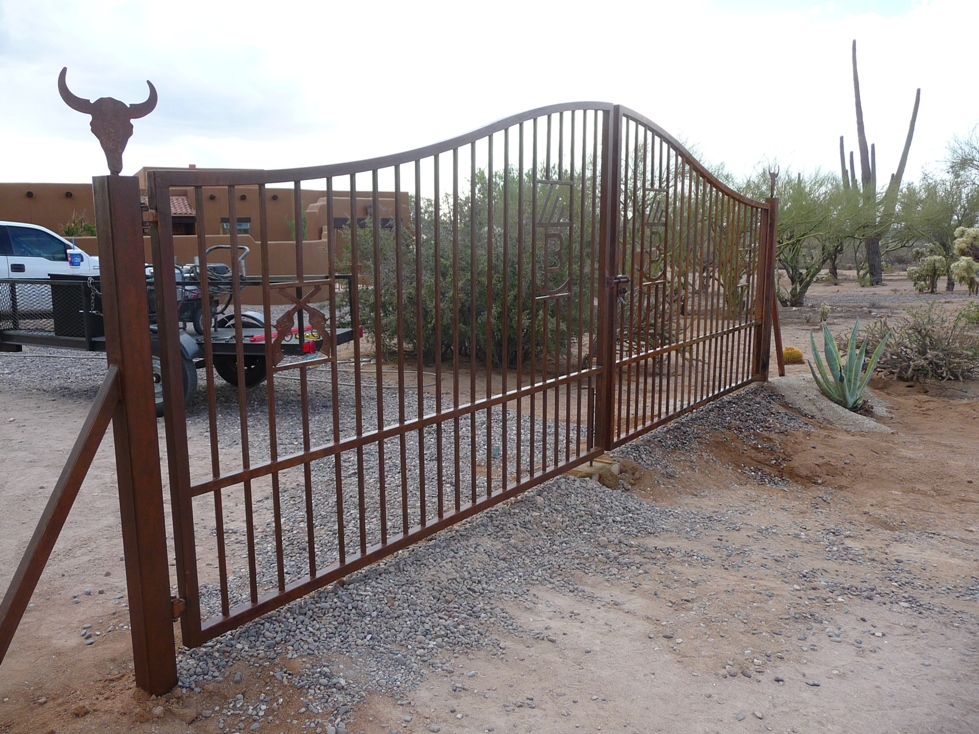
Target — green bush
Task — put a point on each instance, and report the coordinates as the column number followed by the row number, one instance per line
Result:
column 533, row 325
column 78, row 227
column 970, row 314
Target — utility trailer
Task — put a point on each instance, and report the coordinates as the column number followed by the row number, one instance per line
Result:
column 65, row 312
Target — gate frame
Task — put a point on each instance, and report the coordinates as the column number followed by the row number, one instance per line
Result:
column 128, row 393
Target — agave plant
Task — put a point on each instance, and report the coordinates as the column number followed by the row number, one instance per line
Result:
column 844, row 383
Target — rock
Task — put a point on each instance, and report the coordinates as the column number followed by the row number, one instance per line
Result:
column 81, row 710
column 608, row 478
column 158, row 712
column 184, row 714
column 758, row 715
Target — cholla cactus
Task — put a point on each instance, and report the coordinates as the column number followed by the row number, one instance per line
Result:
column 931, row 266
column 966, row 271
column 967, row 242
column 824, row 312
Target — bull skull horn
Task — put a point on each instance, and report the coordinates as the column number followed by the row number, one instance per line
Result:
column 144, row 108
column 76, row 102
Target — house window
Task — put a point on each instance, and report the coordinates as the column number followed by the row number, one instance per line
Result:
column 244, row 225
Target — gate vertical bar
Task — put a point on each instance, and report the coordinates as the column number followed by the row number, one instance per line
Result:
column 125, row 310
column 770, row 303
column 607, row 261
column 765, row 293
column 174, row 411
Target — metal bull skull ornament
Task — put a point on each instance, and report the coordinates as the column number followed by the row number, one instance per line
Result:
column 111, row 119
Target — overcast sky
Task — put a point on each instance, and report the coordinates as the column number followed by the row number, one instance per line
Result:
column 288, row 83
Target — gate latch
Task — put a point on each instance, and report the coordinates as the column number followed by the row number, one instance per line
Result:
column 621, row 283
column 179, row 607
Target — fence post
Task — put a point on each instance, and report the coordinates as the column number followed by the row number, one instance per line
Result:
column 607, row 259
column 127, row 340
column 766, row 289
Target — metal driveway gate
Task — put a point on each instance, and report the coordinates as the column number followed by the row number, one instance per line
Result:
column 524, row 298
column 447, row 328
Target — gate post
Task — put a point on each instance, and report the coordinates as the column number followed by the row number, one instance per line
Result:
column 127, row 343
column 766, row 289
column 607, row 263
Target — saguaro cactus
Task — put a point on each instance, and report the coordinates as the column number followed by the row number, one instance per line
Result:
column 877, row 214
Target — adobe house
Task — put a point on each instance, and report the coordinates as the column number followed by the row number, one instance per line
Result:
column 54, row 205
column 50, row 205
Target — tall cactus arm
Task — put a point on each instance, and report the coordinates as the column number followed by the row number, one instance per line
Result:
column 890, row 198
column 865, row 173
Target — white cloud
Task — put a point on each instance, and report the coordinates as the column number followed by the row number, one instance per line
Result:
column 304, row 83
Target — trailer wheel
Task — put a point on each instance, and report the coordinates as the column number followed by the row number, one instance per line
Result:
column 199, row 321
column 189, row 379
column 227, row 365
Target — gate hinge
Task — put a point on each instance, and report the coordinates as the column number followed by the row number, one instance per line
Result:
column 179, row 607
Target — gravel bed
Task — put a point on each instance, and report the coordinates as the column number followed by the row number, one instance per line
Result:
column 479, row 440
column 60, row 373
column 427, row 605
column 871, row 298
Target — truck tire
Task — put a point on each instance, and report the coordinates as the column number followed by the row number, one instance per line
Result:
column 189, row 379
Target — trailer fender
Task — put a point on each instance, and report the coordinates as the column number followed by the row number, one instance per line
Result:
column 228, row 319
column 189, row 347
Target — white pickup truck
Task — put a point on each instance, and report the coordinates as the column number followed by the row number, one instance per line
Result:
column 30, row 251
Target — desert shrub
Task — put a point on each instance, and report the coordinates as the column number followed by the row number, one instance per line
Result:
column 928, row 344
column 78, row 227
column 970, row 314
column 473, row 328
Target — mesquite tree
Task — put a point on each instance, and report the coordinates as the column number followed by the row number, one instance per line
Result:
column 877, row 213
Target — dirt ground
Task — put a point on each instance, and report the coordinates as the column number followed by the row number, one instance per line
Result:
column 846, row 599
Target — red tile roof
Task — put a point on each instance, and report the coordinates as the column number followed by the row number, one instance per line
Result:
column 179, row 206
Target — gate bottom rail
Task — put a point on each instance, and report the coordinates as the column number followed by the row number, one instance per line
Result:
column 276, row 598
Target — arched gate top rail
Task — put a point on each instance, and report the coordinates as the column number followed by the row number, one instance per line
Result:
column 164, row 177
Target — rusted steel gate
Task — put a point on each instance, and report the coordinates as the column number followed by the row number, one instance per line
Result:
column 539, row 291
column 542, row 290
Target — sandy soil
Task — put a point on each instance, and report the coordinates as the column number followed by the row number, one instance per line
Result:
column 846, row 599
